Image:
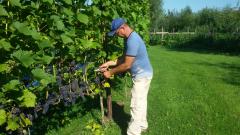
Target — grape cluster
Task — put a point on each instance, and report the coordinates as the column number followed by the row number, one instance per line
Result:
column 28, row 83
column 69, row 92
column 99, row 80
column 15, row 111
column 52, row 99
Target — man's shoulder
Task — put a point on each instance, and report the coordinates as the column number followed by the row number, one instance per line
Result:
column 134, row 38
column 134, row 35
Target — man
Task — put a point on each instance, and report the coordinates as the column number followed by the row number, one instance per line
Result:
column 136, row 59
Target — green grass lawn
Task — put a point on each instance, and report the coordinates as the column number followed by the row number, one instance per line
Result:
column 191, row 93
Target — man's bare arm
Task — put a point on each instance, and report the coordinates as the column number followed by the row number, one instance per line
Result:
column 107, row 64
column 126, row 65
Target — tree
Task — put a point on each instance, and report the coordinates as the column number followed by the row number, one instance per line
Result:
column 186, row 19
column 207, row 19
column 156, row 14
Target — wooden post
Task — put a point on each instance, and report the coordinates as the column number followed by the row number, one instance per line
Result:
column 102, row 108
column 162, row 33
column 109, row 103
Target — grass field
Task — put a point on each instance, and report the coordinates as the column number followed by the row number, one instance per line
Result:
column 191, row 93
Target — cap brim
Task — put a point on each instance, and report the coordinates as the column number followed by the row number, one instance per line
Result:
column 112, row 33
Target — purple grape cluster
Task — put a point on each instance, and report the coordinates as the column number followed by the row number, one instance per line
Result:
column 68, row 93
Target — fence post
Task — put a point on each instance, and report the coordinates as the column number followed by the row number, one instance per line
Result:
column 162, row 33
column 109, row 103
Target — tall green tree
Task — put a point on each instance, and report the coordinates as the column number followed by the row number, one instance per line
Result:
column 156, row 14
column 186, row 19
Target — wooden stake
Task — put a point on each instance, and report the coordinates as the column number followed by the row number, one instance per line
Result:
column 102, row 108
column 109, row 103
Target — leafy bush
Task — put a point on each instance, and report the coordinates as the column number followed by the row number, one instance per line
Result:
column 49, row 50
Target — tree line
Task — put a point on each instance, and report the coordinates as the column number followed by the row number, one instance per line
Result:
column 207, row 20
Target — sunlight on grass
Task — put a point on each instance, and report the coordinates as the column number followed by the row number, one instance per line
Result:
column 191, row 93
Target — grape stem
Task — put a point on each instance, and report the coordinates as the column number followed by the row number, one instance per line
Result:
column 102, row 107
column 6, row 26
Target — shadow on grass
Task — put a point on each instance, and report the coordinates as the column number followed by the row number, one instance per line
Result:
column 202, row 44
column 232, row 76
column 56, row 115
column 60, row 115
column 120, row 116
column 207, row 49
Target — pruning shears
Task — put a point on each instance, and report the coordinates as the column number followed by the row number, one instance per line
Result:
column 97, row 70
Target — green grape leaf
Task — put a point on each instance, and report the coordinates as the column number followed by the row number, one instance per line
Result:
column 134, row 16
column 35, row 34
column 97, row 91
column 71, row 33
column 4, row 67
column 48, row 1
column 106, row 85
column 26, row 30
column 66, row 39
column 12, row 85
column 114, row 56
column 15, row 3
column 69, row 2
column 3, row 12
column 66, row 76
column 82, row 18
column 96, row 1
column 88, row 44
column 25, row 57
column 115, row 14
column 96, row 10
column 5, row 45
column 45, row 44
column 72, row 50
column 68, row 12
column 12, row 124
column 57, row 22
column 102, row 54
column 45, row 59
column 35, row 5
column 28, row 99
column 3, row 116
column 60, row 25
column 106, row 13
column 44, row 77
column 24, row 121
column 21, row 27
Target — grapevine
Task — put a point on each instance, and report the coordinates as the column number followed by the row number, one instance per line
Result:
column 49, row 50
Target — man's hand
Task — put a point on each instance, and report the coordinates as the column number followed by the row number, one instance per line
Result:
column 104, row 67
column 120, row 68
column 107, row 74
column 126, row 65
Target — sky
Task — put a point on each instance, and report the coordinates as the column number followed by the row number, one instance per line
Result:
column 197, row 5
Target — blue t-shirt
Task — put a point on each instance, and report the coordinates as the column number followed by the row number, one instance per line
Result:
column 135, row 46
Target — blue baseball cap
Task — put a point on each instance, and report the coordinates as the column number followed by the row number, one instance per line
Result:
column 116, row 23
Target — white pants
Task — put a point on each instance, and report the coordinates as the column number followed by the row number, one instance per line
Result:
column 139, row 106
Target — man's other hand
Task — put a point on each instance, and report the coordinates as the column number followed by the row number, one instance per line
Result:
column 104, row 67
column 107, row 74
